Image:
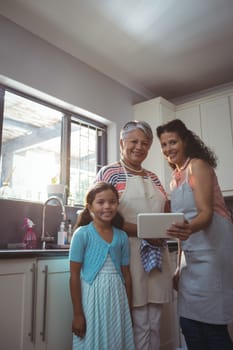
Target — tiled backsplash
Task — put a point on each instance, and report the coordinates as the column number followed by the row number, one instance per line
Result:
column 12, row 214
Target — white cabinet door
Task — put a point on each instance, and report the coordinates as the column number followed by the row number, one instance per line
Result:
column 156, row 112
column 191, row 116
column 16, row 299
column 217, row 134
column 54, row 308
column 212, row 120
column 35, row 304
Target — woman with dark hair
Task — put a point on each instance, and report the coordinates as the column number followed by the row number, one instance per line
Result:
column 204, row 275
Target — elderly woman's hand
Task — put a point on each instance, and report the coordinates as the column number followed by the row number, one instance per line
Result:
column 180, row 230
column 157, row 242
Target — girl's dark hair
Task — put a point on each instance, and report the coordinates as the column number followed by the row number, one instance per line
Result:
column 195, row 147
column 84, row 218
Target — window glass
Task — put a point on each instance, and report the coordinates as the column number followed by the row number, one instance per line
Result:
column 31, row 153
column 83, row 163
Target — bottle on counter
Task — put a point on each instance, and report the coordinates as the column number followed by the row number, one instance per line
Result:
column 30, row 238
column 62, row 234
column 69, row 234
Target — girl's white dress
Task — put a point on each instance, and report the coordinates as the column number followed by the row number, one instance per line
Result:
column 106, row 308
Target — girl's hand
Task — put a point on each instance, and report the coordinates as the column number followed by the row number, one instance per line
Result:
column 180, row 230
column 79, row 325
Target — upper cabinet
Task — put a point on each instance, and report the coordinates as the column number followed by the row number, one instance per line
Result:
column 191, row 116
column 210, row 117
column 217, row 134
column 156, row 112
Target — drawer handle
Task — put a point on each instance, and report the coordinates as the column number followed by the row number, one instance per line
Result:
column 33, row 308
column 43, row 332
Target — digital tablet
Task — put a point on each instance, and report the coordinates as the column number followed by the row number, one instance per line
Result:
column 154, row 225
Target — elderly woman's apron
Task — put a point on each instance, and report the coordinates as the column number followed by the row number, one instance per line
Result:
column 141, row 196
column 206, row 281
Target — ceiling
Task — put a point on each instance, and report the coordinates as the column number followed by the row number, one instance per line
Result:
column 167, row 48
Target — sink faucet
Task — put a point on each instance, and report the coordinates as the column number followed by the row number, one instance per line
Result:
column 63, row 213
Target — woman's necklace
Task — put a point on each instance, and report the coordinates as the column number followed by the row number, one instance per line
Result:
column 131, row 169
column 179, row 172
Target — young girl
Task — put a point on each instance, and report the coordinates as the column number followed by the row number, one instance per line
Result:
column 100, row 282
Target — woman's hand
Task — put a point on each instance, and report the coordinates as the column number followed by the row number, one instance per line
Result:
column 175, row 279
column 79, row 325
column 180, row 230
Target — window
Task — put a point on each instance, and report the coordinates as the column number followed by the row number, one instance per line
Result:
column 42, row 145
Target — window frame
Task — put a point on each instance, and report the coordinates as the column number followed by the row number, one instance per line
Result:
column 68, row 118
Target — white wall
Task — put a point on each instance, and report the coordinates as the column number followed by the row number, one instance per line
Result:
column 27, row 61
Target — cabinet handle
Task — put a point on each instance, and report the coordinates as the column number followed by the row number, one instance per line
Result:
column 33, row 308
column 43, row 332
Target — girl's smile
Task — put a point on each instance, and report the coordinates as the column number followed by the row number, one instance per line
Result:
column 104, row 207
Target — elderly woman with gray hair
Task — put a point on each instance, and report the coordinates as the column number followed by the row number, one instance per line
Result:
column 140, row 191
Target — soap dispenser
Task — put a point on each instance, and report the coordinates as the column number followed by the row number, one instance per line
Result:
column 62, row 234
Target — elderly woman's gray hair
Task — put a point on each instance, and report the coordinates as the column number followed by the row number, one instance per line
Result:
column 133, row 125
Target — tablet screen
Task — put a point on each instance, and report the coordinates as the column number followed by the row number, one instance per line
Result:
column 154, row 225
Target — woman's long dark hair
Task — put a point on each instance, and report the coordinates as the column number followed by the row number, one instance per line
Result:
column 195, row 147
column 84, row 218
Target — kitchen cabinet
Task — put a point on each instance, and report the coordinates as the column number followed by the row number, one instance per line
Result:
column 35, row 305
column 211, row 119
column 156, row 112
column 191, row 116
column 217, row 134
column 15, row 304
